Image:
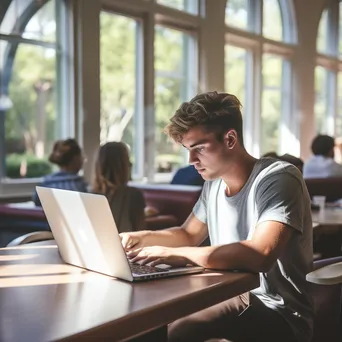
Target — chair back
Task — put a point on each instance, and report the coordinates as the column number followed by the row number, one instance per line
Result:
column 328, row 307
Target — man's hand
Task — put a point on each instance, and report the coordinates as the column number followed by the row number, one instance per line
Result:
column 157, row 255
column 134, row 239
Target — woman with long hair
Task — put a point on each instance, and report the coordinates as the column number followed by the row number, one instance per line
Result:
column 112, row 173
column 68, row 156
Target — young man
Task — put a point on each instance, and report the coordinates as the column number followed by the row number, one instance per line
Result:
column 257, row 214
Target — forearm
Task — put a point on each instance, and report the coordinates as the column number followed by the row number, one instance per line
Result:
column 240, row 255
column 172, row 237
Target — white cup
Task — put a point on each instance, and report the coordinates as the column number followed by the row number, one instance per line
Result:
column 320, row 201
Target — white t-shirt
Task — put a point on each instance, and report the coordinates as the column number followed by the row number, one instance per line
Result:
column 321, row 167
column 275, row 191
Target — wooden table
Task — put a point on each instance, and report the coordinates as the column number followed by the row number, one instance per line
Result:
column 327, row 231
column 329, row 216
column 43, row 299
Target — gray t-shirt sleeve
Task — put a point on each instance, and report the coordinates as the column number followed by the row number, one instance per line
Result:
column 280, row 197
column 200, row 208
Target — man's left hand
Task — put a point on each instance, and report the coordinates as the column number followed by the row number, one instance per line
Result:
column 157, row 255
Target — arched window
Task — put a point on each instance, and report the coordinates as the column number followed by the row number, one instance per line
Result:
column 328, row 98
column 258, row 70
column 29, row 87
column 167, row 43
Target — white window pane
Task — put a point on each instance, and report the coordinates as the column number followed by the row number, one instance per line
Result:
column 190, row 6
column 235, row 71
column 338, row 128
column 321, row 99
column 41, row 25
column 237, row 13
column 31, row 123
column 322, row 38
column 118, row 79
column 340, row 31
column 272, row 20
column 271, row 103
column 176, row 82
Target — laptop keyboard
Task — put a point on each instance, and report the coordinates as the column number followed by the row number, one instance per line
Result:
column 145, row 269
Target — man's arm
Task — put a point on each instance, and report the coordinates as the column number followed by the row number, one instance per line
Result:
column 192, row 233
column 256, row 255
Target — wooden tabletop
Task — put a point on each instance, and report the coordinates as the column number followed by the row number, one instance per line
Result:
column 328, row 216
column 43, row 299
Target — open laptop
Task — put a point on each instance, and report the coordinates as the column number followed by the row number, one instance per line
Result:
column 86, row 235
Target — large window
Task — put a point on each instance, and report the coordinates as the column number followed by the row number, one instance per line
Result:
column 29, row 87
column 328, row 72
column 258, row 70
column 120, row 107
column 175, row 82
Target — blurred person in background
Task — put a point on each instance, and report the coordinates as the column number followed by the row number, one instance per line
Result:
column 68, row 156
column 322, row 163
column 111, row 176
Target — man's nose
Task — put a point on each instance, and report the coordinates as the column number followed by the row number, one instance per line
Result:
column 192, row 158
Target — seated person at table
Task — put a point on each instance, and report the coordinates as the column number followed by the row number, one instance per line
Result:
column 112, row 173
column 67, row 155
column 187, row 175
column 297, row 162
column 257, row 214
column 322, row 163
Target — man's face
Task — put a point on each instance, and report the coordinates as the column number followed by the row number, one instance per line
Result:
column 209, row 156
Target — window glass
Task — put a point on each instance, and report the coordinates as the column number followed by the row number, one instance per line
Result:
column 27, row 101
column 272, row 20
column 271, row 103
column 237, row 14
column 321, row 99
column 235, row 71
column 340, row 31
column 322, row 37
column 175, row 82
column 190, row 6
column 40, row 26
column 118, row 79
column 339, row 107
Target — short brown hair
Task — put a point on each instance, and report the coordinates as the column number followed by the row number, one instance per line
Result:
column 215, row 112
column 64, row 151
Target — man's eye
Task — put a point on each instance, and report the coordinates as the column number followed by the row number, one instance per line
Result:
column 200, row 149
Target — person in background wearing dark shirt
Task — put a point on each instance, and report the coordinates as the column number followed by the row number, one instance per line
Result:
column 67, row 154
column 187, row 175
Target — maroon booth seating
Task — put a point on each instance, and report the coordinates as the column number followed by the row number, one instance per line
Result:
column 329, row 187
column 173, row 203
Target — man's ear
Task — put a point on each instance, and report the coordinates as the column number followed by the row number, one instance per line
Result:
column 230, row 138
